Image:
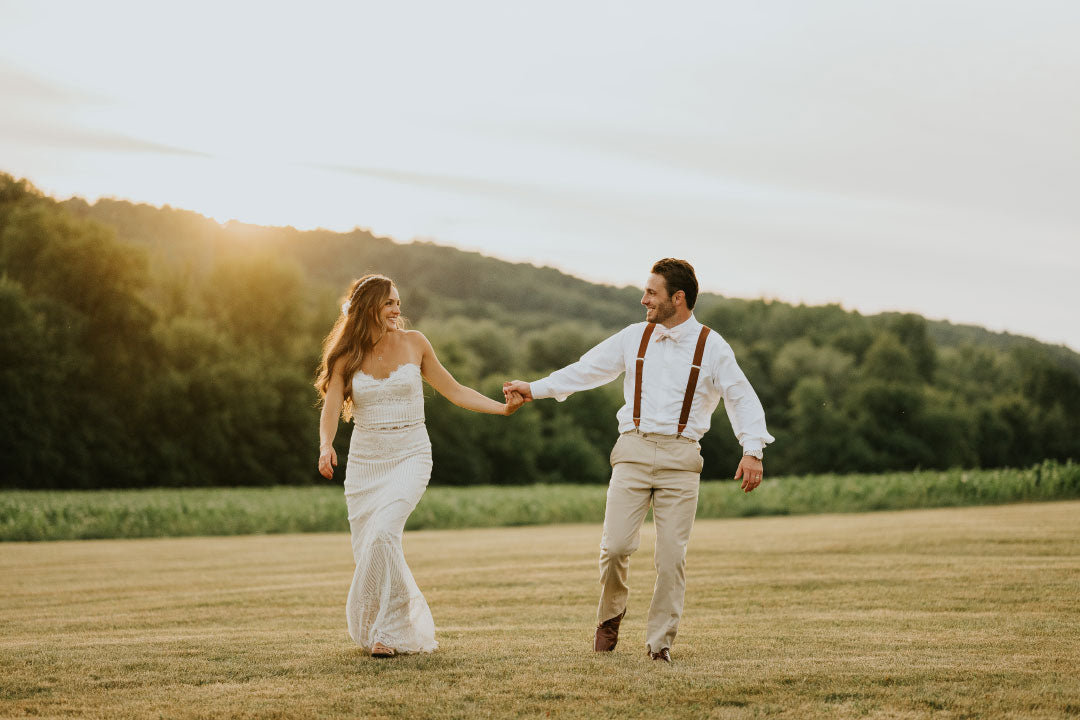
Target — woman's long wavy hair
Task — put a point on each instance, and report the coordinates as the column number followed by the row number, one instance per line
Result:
column 354, row 334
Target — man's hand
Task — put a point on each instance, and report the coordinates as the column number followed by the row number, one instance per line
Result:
column 517, row 386
column 751, row 471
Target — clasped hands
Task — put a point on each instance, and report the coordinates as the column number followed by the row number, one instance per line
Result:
column 517, row 393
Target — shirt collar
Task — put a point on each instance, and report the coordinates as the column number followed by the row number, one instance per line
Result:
column 689, row 326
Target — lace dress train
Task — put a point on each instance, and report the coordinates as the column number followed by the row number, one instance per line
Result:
column 387, row 472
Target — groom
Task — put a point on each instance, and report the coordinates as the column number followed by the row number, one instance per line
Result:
column 677, row 371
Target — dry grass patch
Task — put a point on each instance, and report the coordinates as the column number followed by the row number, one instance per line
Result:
column 958, row 613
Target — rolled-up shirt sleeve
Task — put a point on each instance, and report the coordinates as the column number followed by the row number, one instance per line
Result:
column 741, row 403
column 598, row 366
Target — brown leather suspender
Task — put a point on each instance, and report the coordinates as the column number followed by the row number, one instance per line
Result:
column 637, row 373
column 691, row 383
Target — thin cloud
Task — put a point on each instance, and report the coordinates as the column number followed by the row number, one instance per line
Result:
column 75, row 138
column 532, row 194
column 34, row 102
column 18, row 85
column 454, row 183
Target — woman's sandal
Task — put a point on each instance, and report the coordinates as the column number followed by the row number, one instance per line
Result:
column 378, row 650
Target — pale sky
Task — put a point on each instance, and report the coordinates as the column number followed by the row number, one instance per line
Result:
column 884, row 154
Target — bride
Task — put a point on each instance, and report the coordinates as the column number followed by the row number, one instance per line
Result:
column 371, row 373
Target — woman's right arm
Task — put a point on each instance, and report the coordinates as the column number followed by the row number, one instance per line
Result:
column 328, row 420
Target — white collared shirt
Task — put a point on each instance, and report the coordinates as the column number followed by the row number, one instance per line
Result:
column 663, row 382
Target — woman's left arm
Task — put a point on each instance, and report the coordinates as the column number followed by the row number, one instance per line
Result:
column 441, row 379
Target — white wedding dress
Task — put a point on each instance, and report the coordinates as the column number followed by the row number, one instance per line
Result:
column 386, row 475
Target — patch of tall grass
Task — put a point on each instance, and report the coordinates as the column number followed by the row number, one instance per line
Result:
column 76, row 515
column 1048, row 480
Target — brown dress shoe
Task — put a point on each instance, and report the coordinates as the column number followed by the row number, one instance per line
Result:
column 664, row 655
column 607, row 634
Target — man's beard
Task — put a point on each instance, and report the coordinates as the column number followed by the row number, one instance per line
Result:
column 664, row 310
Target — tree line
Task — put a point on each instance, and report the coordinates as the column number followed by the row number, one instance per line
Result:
column 146, row 346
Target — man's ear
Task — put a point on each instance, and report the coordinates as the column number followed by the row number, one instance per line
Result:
column 679, row 297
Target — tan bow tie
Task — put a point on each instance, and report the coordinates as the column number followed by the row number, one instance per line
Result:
column 661, row 335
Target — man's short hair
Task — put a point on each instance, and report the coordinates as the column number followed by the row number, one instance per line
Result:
column 678, row 275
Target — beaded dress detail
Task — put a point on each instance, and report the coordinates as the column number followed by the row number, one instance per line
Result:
column 386, row 475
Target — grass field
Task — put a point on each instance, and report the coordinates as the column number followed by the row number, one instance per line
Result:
column 78, row 515
column 948, row 613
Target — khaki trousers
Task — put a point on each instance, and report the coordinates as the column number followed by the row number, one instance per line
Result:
column 663, row 470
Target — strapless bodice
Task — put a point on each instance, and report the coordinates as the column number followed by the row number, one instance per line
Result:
column 391, row 402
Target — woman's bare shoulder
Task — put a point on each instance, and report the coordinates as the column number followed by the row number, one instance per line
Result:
column 416, row 340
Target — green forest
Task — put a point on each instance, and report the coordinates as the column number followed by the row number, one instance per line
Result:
column 144, row 346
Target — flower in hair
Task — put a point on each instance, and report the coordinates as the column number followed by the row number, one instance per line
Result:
column 345, row 305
